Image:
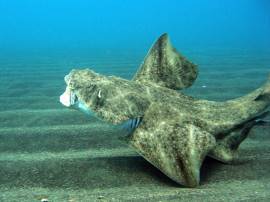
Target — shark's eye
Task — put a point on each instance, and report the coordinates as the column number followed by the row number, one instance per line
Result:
column 99, row 94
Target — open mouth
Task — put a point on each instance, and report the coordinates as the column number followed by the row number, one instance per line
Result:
column 71, row 100
column 68, row 98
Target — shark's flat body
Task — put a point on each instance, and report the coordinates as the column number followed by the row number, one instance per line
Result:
column 172, row 131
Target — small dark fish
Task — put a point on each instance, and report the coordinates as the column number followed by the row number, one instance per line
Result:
column 131, row 124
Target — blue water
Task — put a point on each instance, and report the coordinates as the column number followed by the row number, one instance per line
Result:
column 42, row 40
column 121, row 24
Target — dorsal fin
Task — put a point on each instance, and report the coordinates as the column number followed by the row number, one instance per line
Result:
column 164, row 66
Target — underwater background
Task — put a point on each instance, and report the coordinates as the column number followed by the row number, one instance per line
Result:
column 50, row 152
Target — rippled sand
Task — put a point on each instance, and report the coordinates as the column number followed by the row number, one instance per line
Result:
column 48, row 151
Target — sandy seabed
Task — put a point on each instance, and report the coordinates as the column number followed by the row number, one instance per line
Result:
column 48, row 151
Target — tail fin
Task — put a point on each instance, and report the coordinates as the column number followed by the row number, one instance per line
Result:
column 265, row 93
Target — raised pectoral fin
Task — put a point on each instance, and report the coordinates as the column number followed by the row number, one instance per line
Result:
column 164, row 66
column 175, row 148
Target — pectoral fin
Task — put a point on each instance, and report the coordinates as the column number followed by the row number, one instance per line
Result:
column 164, row 66
column 173, row 146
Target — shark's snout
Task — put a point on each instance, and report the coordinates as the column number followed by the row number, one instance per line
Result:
column 65, row 98
column 68, row 98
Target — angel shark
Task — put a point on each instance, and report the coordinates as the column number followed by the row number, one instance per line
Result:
column 172, row 131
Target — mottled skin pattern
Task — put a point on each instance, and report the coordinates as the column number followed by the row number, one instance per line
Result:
column 179, row 72
column 177, row 131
